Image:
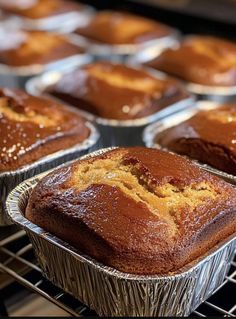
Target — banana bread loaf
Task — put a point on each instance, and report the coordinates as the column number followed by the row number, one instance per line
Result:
column 31, row 128
column 209, row 136
column 25, row 48
column 139, row 210
column 200, row 59
column 115, row 28
column 116, row 91
column 37, row 9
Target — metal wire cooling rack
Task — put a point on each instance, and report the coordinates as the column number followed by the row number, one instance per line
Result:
column 17, row 260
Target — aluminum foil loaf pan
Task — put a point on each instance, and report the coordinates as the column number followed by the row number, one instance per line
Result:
column 215, row 93
column 110, row 292
column 113, row 132
column 9, row 180
column 120, row 52
column 16, row 77
column 152, row 130
column 65, row 22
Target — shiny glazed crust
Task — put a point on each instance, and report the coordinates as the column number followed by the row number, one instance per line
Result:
column 209, row 136
column 31, row 128
column 124, row 28
column 139, row 210
column 200, row 59
column 27, row 48
column 116, row 91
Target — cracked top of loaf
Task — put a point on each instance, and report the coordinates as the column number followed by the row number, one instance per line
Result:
column 139, row 210
column 114, row 28
column 37, row 9
column 116, row 91
column 209, row 136
column 32, row 127
column 25, row 48
column 203, row 60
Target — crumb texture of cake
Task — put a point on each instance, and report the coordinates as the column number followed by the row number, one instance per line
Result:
column 203, row 60
column 138, row 210
column 209, row 136
column 117, row 28
column 116, row 91
column 38, row 9
column 31, row 128
column 26, row 48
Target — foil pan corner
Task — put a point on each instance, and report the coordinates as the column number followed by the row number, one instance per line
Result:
column 110, row 292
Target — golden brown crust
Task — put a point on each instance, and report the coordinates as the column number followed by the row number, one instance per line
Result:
column 26, row 48
column 29, row 131
column 37, row 9
column 139, row 210
column 124, row 28
column 115, row 91
column 209, row 136
column 200, row 59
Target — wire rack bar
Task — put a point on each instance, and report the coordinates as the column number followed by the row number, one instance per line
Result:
column 16, row 248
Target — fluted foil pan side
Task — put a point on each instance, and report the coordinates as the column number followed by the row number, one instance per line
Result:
column 153, row 129
column 113, row 132
column 110, row 292
column 66, row 22
column 9, row 180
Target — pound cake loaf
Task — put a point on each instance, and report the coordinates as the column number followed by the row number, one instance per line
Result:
column 117, row 28
column 116, row 91
column 141, row 211
column 26, row 48
column 209, row 136
column 31, row 128
column 203, row 60
column 38, row 9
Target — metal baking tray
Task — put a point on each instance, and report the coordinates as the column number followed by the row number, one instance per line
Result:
column 110, row 292
column 175, row 119
column 8, row 180
column 11, row 76
column 65, row 22
column 122, row 51
column 113, row 132
column 215, row 93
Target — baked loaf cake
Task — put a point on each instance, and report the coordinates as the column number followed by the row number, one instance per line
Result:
column 209, row 136
column 115, row 91
column 37, row 9
column 139, row 210
column 200, row 59
column 24, row 48
column 31, row 128
column 112, row 27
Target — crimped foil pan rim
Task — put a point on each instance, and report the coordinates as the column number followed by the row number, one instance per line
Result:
column 154, row 128
column 13, row 211
column 87, row 143
column 51, row 22
column 201, row 89
column 36, row 85
column 127, row 49
column 34, row 69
